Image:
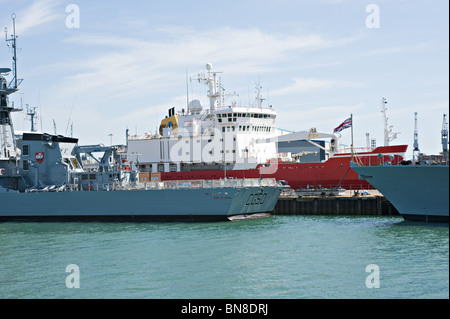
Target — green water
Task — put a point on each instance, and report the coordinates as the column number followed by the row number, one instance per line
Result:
column 278, row 257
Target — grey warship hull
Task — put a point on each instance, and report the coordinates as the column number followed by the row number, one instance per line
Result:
column 418, row 192
column 138, row 205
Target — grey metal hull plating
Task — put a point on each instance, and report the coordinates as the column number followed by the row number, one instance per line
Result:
column 135, row 205
column 419, row 192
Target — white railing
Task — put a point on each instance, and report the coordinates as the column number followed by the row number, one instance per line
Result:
column 219, row 183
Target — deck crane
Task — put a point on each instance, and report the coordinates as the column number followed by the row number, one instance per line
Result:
column 444, row 138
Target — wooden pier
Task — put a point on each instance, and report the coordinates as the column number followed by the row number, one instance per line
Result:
column 339, row 205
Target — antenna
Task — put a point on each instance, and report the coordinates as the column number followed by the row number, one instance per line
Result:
column 416, row 151
column 13, row 40
column 70, row 116
column 187, row 91
column 258, row 99
column 54, row 126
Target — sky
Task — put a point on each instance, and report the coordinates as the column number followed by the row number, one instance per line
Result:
column 105, row 66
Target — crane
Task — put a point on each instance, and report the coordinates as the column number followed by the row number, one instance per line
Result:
column 444, row 138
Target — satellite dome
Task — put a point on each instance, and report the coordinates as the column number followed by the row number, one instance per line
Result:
column 195, row 106
column 209, row 66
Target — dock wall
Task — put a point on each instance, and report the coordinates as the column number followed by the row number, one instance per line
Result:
column 374, row 205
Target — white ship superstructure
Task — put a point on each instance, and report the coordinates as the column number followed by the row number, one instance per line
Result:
column 240, row 136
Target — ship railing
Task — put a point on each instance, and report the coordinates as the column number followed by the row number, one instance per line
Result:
column 219, row 183
column 180, row 184
column 355, row 149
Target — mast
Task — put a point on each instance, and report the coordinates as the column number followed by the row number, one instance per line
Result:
column 7, row 139
column 13, row 41
column 215, row 89
column 31, row 112
column 388, row 135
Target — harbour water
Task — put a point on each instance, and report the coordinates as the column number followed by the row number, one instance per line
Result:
column 282, row 257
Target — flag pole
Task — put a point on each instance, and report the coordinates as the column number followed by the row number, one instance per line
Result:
column 351, row 121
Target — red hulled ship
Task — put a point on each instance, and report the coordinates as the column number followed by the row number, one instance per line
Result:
column 235, row 141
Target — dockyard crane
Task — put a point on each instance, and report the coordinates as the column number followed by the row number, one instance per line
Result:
column 416, row 151
column 444, row 138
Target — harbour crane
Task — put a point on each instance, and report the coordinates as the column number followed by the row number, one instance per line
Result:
column 444, row 138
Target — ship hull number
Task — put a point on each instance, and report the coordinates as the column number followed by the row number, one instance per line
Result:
column 256, row 199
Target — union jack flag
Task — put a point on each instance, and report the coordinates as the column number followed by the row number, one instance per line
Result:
column 346, row 124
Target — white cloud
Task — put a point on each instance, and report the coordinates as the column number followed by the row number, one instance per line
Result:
column 38, row 13
column 398, row 49
column 137, row 63
column 302, row 85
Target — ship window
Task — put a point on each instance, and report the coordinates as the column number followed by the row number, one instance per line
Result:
column 233, row 128
column 25, row 150
column 223, row 129
column 84, row 177
column 229, row 114
column 25, row 166
column 234, row 119
column 218, row 115
column 234, row 114
column 4, row 118
column 248, row 115
column 230, row 119
column 92, row 177
column 220, row 120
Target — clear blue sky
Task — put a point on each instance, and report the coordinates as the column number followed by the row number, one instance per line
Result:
column 317, row 61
